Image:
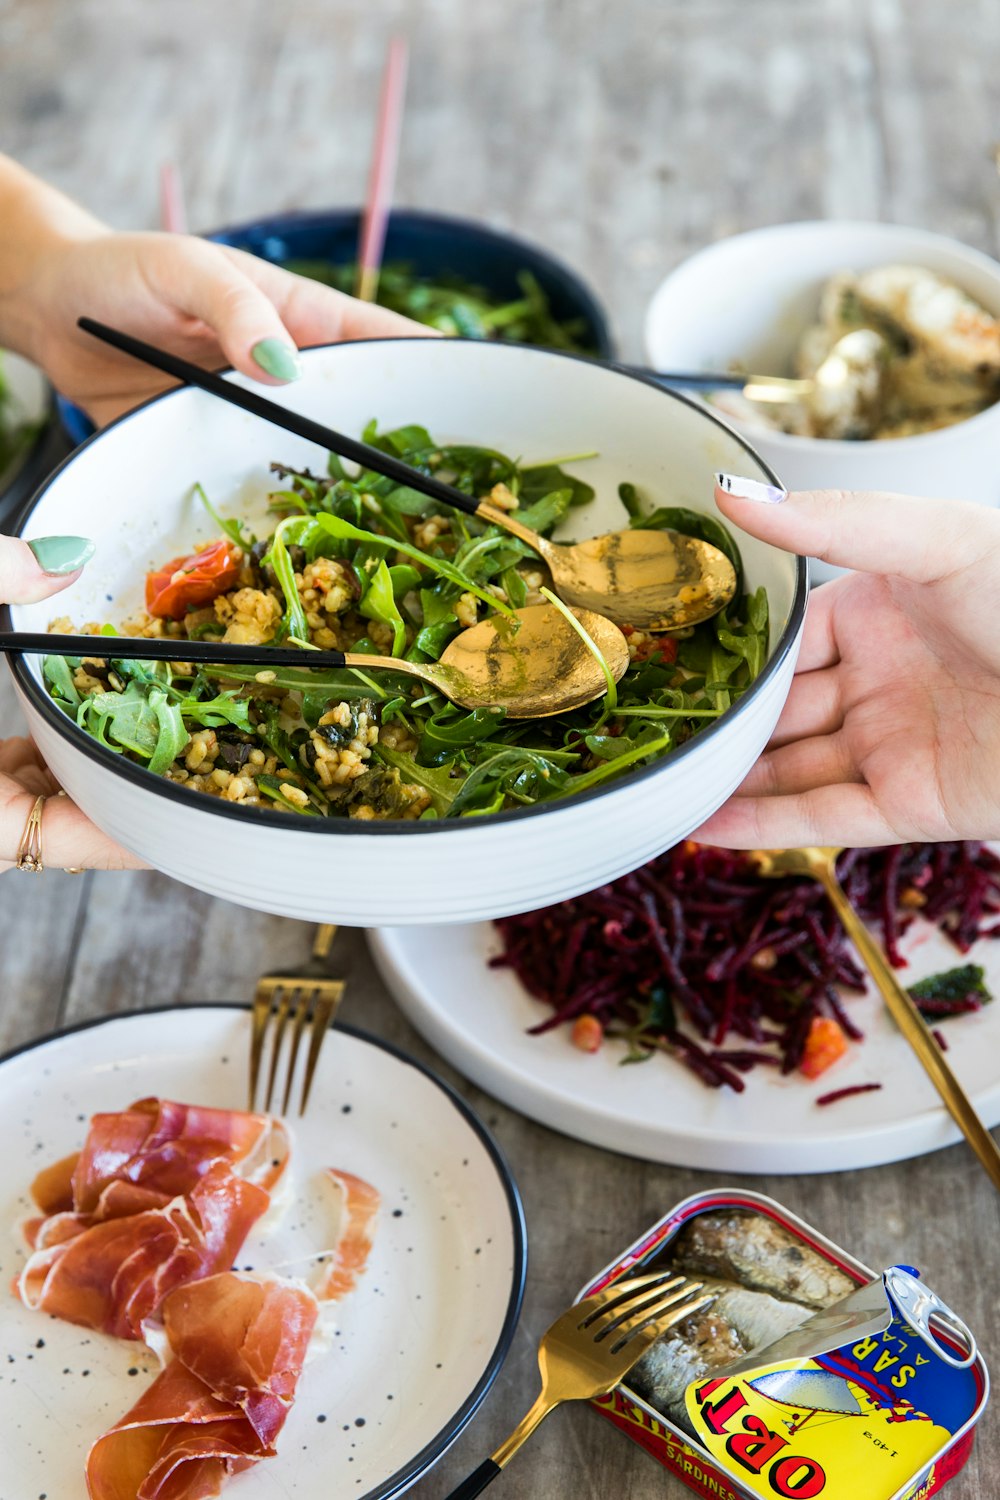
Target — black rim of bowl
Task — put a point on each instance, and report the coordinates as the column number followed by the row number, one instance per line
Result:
column 427, row 1456
column 269, row 818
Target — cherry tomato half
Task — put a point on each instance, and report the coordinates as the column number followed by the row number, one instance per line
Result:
column 189, row 582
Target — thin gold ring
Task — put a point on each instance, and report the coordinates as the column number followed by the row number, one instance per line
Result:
column 29, row 850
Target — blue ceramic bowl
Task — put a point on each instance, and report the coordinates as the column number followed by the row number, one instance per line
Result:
column 433, row 244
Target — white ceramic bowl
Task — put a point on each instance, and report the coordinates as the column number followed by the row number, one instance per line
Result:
column 747, row 300
column 130, row 487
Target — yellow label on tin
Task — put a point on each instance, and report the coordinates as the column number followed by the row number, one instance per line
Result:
column 815, row 1427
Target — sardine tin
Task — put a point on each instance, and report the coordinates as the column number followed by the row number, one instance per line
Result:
column 674, row 1449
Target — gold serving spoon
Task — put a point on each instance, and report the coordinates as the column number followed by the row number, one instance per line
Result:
column 654, row 580
column 533, row 664
column 819, row 863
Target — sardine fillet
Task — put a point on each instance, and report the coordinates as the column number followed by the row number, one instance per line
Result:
column 736, row 1323
column 756, row 1252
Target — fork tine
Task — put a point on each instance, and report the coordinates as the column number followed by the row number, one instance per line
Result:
column 678, row 1305
column 301, row 1012
column 278, row 1030
column 615, row 1319
column 616, row 1291
column 261, row 1012
column 626, row 1294
column 327, row 1004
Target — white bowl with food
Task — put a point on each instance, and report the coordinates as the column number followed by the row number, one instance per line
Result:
column 348, row 816
column 922, row 407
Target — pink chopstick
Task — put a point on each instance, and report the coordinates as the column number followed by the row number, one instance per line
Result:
column 172, row 215
column 383, row 170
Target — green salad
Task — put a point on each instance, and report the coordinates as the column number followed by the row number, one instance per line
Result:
column 359, row 563
column 459, row 308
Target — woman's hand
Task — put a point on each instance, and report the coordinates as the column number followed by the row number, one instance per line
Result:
column 69, row 839
column 891, row 731
column 206, row 302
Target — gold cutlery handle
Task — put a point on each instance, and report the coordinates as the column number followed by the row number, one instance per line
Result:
column 543, row 1405
column 474, row 1484
column 911, row 1023
column 323, row 941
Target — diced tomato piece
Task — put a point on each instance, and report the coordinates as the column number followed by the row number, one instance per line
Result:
column 824, row 1044
column 587, row 1033
column 188, row 582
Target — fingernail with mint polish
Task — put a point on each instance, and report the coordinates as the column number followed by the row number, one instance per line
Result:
column 278, row 359
column 61, row 555
column 751, row 489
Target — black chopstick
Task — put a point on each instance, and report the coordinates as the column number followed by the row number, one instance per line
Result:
column 260, row 406
column 141, row 648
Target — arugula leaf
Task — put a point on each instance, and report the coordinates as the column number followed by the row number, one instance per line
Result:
column 526, row 775
column 379, row 603
column 58, row 673
column 227, row 708
column 173, row 737
column 540, row 480
column 629, row 497
column 440, row 624
column 449, row 730
column 231, row 528
column 514, row 587
column 438, row 781
column 277, row 558
column 344, row 531
column 338, row 683
column 609, row 768
column 128, row 718
column 545, row 513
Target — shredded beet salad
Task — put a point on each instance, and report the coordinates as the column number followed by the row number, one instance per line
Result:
column 696, row 955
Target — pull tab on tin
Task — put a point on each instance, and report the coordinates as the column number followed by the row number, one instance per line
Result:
column 931, row 1318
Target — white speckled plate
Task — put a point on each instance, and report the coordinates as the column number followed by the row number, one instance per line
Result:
column 417, row 1345
column 478, row 1018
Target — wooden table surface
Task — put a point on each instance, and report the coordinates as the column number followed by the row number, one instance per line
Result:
column 624, row 137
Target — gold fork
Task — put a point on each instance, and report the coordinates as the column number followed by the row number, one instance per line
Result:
column 591, row 1348
column 820, row 863
column 287, row 1003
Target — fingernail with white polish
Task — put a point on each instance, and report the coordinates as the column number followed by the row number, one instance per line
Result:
column 750, row 489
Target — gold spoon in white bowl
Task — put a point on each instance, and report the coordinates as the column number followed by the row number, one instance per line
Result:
column 533, row 664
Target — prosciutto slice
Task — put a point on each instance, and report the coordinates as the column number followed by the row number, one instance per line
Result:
column 161, row 1194
column 356, row 1235
column 166, row 1147
column 239, row 1344
column 113, row 1274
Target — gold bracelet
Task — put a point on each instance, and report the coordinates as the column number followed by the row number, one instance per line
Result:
column 29, row 850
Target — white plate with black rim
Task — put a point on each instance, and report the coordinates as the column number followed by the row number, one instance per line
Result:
column 417, row 1345
column 479, row 1019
